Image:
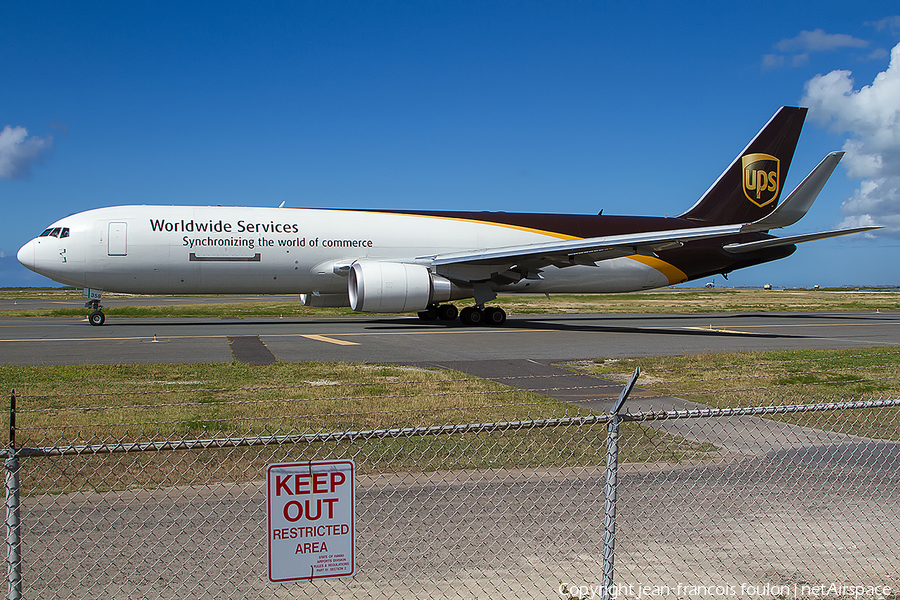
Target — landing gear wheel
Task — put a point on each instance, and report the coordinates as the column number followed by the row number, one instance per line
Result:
column 494, row 316
column 97, row 318
column 429, row 314
column 447, row 312
column 471, row 316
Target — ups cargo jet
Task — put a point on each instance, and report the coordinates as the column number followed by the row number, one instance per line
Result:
column 392, row 261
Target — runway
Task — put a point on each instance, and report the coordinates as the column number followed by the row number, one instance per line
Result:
column 544, row 338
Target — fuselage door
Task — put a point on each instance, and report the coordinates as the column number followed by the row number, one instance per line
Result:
column 116, row 239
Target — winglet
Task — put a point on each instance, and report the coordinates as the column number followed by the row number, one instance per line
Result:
column 798, row 203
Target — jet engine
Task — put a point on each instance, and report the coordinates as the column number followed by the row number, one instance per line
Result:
column 324, row 300
column 398, row 287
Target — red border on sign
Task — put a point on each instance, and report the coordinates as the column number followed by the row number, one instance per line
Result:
column 311, row 465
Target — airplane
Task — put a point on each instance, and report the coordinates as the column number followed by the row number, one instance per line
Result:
column 395, row 261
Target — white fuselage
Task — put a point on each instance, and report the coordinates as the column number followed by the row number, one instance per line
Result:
column 192, row 250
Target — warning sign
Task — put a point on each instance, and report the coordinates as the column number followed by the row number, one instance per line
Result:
column 310, row 509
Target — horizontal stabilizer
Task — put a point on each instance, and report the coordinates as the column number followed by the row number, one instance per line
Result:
column 794, row 239
column 801, row 199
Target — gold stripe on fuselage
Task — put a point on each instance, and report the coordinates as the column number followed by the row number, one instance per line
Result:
column 672, row 273
column 561, row 236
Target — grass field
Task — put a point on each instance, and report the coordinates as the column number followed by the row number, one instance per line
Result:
column 776, row 378
column 333, row 396
column 64, row 406
column 687, row 300
column 90, row 402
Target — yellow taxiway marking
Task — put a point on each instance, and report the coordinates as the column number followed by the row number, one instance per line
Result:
column 315, row 337
column 141, row 338
column 721, row 330
column 322, row 338
column 466, row 331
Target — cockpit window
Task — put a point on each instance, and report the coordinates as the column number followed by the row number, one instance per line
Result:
column 57, row 232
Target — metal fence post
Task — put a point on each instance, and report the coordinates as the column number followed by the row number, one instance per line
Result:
column 13, row 530
column 612, row 467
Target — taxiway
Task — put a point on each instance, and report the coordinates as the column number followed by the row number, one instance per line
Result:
column 60, row 341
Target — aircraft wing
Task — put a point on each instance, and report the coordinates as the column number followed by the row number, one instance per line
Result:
column 482, row 264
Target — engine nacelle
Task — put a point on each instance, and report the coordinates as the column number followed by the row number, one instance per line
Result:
column 324, row 300
column 398, row 287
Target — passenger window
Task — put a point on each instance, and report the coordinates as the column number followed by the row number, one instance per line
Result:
column 65, row 232
column 55, row 232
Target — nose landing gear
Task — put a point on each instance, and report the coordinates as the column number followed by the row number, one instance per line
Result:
column 96, row 317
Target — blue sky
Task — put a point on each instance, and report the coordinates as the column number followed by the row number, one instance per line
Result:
column 632, row 107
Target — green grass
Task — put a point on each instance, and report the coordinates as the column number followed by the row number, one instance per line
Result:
column 774, row 378
column 94, row 404
column 682, row 300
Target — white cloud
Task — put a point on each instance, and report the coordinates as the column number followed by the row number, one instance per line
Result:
column 18, row 152
column 819, row 41
column 799, row 60
column 871, row 115
column 806, row 42
column 890, row 23
column 773, row 61
column 876, row 202
column 877, row 54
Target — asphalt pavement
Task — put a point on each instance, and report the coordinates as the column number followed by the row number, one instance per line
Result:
column 405, row 339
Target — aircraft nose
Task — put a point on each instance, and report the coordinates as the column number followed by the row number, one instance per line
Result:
column 25, row 255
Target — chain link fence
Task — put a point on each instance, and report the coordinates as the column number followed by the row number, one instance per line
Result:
column 757, row 502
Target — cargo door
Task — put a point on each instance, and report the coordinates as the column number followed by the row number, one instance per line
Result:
column 116, row 239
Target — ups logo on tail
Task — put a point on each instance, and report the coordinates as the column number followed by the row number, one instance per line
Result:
column 762, row 177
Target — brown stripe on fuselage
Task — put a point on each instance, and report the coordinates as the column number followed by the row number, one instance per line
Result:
column 558, row 225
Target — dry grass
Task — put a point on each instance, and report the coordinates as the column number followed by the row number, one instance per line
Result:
column 681, row 300
column 708, row 300
column 86, row 403
column 61, row 406
column 99, row 404
column 774, row 378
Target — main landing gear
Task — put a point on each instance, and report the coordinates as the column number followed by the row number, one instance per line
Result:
column 96, row 317
column 471, row 315
column 444, row 312
column 474, row 315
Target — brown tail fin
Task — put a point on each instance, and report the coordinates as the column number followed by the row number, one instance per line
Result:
column 751, row 186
